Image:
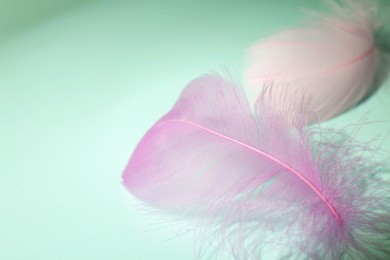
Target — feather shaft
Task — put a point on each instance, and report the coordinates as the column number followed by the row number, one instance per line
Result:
column 323, row 72
column 273, row 159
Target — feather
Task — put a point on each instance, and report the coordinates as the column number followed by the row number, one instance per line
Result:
column 333, row 61
column 259, row 182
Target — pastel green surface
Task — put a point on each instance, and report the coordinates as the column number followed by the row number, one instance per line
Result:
column 80, row 88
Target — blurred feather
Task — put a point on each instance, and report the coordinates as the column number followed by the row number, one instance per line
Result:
column 260, row 183
column 333, row 60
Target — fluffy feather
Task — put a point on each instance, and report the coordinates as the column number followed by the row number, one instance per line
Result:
column 333, row 61
column 259, row 182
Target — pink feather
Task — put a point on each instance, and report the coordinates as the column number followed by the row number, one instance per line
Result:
column 262, row 182
column 333, row 61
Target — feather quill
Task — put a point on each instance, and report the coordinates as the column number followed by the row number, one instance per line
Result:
column 333, row 60
column 259, row 180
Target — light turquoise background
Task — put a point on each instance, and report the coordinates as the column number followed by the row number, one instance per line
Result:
column 81, row 82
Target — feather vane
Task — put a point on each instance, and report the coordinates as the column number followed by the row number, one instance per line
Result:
column 264, row 182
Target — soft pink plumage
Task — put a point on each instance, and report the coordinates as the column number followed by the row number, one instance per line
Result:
column 263, row 181
column 333, row 61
